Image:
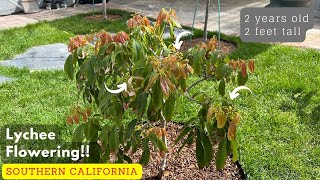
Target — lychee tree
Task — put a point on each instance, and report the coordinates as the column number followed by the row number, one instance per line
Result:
column 156, row 75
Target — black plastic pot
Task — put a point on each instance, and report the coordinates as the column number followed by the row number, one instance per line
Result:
column 289, row 3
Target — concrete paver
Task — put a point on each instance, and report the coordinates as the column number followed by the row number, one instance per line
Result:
column 47, row 57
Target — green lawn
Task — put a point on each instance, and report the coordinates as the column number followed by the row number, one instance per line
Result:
column 17, row 40
column 279, row 132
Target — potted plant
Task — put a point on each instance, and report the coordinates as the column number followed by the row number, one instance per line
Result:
column 30, row 6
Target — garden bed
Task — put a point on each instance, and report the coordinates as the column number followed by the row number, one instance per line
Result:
column 225, row 46
column 185, row 165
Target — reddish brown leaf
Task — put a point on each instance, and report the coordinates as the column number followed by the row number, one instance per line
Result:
column 69, row 120
column 203, row 46
column 243, row 69
column 164, row 86
column 151, row 81
column 232, row 130
column 76, row 118
column 233, row 64
column 84, row 117
column 251, row 65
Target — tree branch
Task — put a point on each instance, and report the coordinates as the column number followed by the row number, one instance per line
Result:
column 197, row 82
column 163, row 163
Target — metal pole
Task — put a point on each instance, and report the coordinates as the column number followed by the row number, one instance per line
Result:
column 194, row 16
column 93, row 7
column 219, row 24
column 206, row 22
column 104, row 3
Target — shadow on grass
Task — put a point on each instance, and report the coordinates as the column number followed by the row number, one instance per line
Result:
column 78, row 24
column 303, row 101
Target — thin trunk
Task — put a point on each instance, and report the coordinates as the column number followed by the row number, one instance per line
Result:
column 163, row 163
column 206, row 22
column 104, row 2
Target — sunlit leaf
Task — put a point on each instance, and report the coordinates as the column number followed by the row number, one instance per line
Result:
column 169, row 107
column 221, row 119
column 68, row 67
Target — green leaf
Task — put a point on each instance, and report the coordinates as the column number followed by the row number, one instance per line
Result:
column 78, row 135
column 200, row 150
column 127, row 158
column 129, row 129
column 104, row 136
column 153, row 141
column 197, row 63
column 208, row 150
column 106, row 156
column 189, row 141
column 68, row 67
column 223, row 71
column 88, row 70
column 222, row 87
column 140, row 103
column 94, row 153
column 114, row 139
column 135, row 50
column 134, row 145
column 211, row 131
column 91, row 130
column 159, row 142
column 241, row 80
column 157, row 96
column 221, row 155
column 145, row 157
column 169, row 107
column 235, row 153
column 183, row 84
column 183, row 133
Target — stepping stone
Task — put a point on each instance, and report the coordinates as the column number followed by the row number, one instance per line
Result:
column 4, row 79
column 47, row 57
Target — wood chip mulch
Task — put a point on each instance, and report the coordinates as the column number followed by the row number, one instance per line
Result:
column 111, row 17
column 225, row 46
column 185, row 166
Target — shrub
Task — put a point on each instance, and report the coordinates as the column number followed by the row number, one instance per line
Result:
column 156, row 75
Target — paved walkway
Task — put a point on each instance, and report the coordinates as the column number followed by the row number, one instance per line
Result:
column 20, row 19
column 230, row 15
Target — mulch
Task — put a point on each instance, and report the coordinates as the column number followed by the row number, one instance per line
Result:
column 185, row 166
column 225, row 46
column 111, row 17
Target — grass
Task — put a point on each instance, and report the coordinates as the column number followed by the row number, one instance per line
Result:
column 58, row 31
column 279, row 131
